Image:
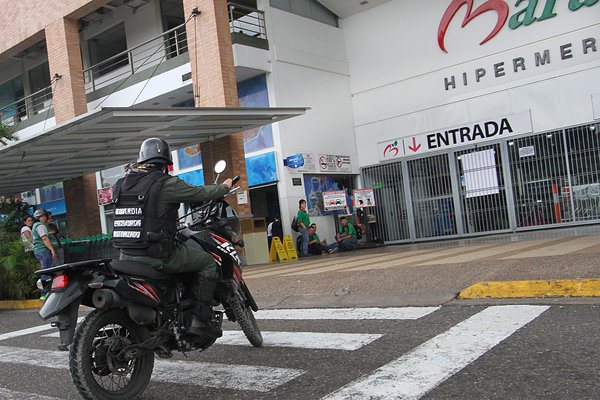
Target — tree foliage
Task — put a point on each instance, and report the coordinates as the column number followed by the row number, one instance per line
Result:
column 17, row 280
column 6, row 134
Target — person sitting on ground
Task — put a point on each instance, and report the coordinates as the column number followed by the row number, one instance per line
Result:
column 346, row 238
column 317, row 246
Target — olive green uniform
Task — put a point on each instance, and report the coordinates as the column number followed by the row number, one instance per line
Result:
column 185, row 259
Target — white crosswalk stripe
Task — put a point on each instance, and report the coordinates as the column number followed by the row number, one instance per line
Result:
column 28, row 331
column 411, row 376
column 346, row 313
column 417, row 372
column 300, row 340
column 6, row 394
column 216, row 375
column 304, row 340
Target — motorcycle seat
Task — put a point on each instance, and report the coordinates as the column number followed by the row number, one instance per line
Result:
column 138, row 269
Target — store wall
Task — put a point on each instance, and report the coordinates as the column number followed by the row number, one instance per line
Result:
column 309, row 69
column 401, row 79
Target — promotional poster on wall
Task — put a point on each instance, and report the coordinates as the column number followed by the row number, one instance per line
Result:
column 334, row 200
column 364, row 198
column 316, row 185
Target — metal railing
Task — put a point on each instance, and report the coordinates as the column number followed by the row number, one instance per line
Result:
column 247, row 21
column 169, row 44
column 22, row 109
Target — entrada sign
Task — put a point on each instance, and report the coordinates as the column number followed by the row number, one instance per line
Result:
column 529, row 14
column 471, row 133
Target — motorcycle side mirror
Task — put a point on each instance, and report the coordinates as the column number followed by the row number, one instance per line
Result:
column 220, row 166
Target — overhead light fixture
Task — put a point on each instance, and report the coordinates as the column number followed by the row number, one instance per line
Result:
column 511, row 143
column 364, row 2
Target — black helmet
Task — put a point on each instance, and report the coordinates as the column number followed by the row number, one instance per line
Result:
column 155, row 150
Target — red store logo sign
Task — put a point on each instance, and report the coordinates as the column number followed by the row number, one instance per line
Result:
column 523, row 17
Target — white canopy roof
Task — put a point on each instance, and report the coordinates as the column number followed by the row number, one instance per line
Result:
column 112, row 136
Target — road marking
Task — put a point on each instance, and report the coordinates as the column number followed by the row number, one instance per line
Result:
column 419, row 371
column 346, row 313
column 29, row 331
column 6, row 394
column 222, row 376
column 301, row 340
column 304, row 340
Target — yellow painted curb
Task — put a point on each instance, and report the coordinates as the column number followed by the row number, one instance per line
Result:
column 525, row 289
column 20, row 304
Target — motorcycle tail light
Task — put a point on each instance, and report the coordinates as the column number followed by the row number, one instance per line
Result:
column 60, row 282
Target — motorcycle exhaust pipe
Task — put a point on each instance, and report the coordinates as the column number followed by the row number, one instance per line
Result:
column 105, row 298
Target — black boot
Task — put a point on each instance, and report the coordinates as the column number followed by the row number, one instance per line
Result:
column 204, row 323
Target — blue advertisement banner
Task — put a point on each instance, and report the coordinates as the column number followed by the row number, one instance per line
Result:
column 57, row 207
column 261, row 169
column 189, row 156
column 253, row 93
column 295, row 161
column 195, row 178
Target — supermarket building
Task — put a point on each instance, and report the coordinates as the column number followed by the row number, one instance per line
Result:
column 465, row 117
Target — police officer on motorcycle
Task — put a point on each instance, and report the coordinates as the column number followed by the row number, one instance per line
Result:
column 147, row 201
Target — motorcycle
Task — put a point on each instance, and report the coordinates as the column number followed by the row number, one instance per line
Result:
column 140, row 311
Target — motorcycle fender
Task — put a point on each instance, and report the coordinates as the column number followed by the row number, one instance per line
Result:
column 141, row 315
column 57, row 302
column 67, row 321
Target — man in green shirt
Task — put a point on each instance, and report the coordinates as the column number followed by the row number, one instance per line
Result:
column 346, row 238
column 303, row 224
column 317, row 246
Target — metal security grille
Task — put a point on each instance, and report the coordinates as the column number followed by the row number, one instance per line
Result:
column 581, row 200
column 391, row 220
column 432, row 196
column 549, row 178
column 539, row 178
column 482, row 191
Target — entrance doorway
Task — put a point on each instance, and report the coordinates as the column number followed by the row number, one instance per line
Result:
column 432, row 196
column 482, row 189
column 265, row 202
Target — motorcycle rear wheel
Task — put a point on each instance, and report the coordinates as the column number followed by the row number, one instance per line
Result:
column 95, row 368
column 245, row 317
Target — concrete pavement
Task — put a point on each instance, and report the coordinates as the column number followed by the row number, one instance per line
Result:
column 435, row 273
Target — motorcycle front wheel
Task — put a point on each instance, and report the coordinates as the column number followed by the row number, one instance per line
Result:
column 245, row 317
column 99, row 368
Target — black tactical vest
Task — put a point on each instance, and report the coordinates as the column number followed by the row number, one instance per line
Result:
column 137, row 228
